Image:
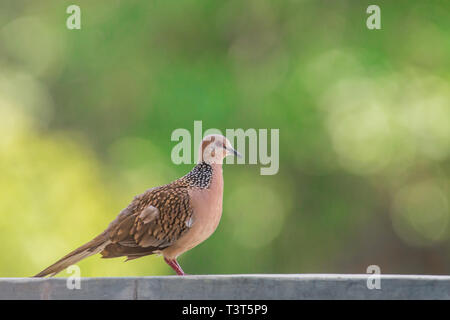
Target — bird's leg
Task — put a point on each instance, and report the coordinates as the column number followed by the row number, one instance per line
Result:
column 175, row 266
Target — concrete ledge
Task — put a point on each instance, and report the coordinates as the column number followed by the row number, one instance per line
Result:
column 224, row 287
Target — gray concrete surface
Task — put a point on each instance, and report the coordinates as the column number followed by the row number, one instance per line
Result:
column 251, row 286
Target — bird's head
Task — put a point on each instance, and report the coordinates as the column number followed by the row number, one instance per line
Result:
column 214, row 148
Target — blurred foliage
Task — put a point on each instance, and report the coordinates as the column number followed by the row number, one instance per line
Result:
column 86, row 117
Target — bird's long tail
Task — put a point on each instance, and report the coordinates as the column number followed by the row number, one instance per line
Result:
column 92, row 247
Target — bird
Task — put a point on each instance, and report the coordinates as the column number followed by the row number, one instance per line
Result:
column 167, row 220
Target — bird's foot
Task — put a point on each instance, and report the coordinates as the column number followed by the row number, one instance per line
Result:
column 175, row 266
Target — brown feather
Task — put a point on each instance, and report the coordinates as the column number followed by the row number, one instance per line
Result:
column 92, row 247
column 152, row 222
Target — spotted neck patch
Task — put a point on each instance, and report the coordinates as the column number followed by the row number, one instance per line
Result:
column 200, row 176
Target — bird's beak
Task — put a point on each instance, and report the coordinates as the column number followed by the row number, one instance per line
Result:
column 234, row 152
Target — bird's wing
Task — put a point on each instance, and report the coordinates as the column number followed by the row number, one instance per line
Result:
column 154, row 220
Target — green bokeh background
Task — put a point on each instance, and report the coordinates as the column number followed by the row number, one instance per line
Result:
column 86, row 118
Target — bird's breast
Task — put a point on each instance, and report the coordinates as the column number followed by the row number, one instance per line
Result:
column 207, row 211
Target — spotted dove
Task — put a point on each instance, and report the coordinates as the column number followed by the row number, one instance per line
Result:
column 168, row 220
